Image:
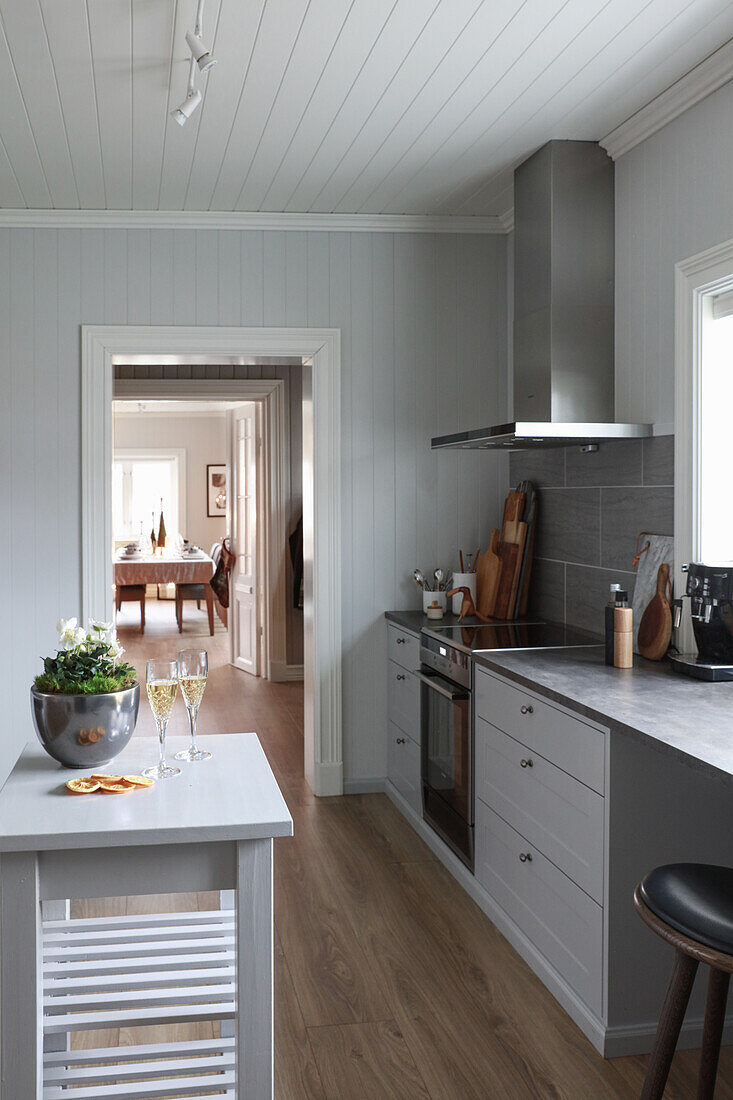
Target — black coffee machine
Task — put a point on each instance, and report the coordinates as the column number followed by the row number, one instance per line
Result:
column 710, row 588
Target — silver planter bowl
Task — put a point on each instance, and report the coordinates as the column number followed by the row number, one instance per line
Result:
column 85, row 731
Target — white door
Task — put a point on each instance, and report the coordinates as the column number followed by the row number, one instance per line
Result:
column 244, row 603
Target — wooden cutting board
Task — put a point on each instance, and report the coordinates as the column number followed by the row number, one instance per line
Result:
column 513, row 513
column 508, row 553
column 488, row 575
column 521, row 541
column 655, row 628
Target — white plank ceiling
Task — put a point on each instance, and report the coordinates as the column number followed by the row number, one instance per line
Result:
column 345, row 106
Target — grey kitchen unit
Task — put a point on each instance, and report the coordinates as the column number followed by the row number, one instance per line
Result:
column 570, row 812
column 403, row 708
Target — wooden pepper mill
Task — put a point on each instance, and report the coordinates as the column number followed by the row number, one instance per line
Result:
column 623, row 637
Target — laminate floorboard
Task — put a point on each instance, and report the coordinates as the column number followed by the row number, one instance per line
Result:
column 389, row 980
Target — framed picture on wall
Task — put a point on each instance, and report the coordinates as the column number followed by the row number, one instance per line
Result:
column 216, row 490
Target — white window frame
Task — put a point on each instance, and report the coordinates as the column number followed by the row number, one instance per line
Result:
column 152, row 454
column 706, row 273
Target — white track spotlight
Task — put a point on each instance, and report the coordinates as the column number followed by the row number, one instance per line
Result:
column 201, row 53
column 183, row 113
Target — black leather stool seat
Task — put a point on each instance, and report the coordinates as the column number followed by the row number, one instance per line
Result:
column 695, row 899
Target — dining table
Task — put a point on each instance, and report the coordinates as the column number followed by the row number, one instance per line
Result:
column 168, row 567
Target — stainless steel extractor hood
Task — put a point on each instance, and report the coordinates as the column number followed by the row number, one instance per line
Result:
column 563, row 305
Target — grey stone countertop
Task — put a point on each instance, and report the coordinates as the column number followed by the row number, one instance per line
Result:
column 692, row 718
column 415, row 621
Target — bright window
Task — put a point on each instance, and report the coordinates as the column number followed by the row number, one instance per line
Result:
column 140, row 481
column 716, row 401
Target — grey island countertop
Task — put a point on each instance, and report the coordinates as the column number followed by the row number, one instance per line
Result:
column 692, row 718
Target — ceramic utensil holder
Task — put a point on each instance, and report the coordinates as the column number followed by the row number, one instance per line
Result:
column 431, row 597
column 462, row 580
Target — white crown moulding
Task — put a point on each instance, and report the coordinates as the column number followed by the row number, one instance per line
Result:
column 711, row 74
column 236, row 220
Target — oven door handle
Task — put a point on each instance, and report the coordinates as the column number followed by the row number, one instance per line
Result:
column 431, row 682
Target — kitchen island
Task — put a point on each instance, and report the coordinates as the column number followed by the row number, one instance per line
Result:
column 211, row 828
column 585, row 778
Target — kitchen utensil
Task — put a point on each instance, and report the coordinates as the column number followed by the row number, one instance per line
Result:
column 488, row 575
column 419, row 579
column 476, row 557
column 507, row 552
column 460, row 560
column 655, row 628
column 438, row 577
column 660, row 549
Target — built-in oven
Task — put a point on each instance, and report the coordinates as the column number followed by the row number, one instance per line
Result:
column 446, row 744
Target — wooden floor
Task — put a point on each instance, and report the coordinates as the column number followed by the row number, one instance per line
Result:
column 390, row 982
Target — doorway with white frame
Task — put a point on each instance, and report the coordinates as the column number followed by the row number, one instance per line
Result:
column 318, row 352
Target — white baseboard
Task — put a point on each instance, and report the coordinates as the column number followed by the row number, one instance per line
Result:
column 280, row 672
column 328, row 780
column 364, row 786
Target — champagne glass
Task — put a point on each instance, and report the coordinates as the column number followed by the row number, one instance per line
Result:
column 162, row 684
column 193, row 669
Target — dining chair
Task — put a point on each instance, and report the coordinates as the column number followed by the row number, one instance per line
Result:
column 131, row 593
column 198, row 592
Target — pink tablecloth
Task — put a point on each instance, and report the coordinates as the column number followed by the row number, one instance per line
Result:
column 168, row 570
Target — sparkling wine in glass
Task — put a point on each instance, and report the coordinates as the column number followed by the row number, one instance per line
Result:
column 162, row 684
column 193, row 669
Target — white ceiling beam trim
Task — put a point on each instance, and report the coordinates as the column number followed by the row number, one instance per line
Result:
column 259, row 220
column 700, row 82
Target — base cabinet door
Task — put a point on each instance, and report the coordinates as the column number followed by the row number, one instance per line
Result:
column 560, row 919
column 403, row 700
column 403, row 766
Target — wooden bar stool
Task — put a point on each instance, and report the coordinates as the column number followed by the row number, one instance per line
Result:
column 690, row 905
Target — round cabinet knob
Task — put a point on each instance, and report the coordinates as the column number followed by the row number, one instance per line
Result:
column 400, row 740
column 527, row 710
column 525, row 857
column 400, row 641
column 400, row 676
column 526, row 763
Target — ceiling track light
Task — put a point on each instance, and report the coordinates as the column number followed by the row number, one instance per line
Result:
column 201, row 53
column 201, row 58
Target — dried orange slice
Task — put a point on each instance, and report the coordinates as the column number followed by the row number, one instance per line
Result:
column 116, row 788
column 139, row 780
column 107, row 778
column 83, row 786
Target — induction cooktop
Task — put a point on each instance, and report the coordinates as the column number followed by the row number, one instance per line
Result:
column 490, row 637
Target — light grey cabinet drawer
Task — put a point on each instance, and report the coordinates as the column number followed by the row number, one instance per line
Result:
column 563, row 923
column 403, row 767
column 403, row 699
column 554, row 811
column 403, row 647
column 573, row 745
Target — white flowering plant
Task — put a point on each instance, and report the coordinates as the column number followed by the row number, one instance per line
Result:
column 87, row 662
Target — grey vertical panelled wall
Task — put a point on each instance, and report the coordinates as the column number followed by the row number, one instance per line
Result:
column 423, row 323
column 673, row 199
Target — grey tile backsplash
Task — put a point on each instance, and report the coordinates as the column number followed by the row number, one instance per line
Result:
column 591, row 509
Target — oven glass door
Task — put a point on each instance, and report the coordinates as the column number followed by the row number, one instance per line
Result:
column 447, row 764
